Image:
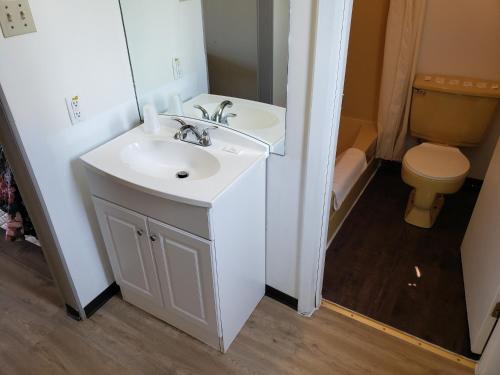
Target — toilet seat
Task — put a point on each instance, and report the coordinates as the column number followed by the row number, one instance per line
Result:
column 436, row 162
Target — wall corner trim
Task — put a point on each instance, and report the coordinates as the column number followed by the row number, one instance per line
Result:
column 330, row 58
column 101, row 299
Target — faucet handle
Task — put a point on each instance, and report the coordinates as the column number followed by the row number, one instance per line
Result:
column 205, row 136
column 205, row 130
column 180, row 121
column 226, row 116
column 204, row 113
column 180, row 133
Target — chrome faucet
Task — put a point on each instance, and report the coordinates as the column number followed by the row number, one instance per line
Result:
column 201, row 138
column 217, row 116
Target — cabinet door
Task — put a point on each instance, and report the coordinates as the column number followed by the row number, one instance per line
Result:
column 184, row 264
column 127, row 242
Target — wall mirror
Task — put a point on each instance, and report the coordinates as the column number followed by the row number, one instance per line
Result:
column 224, row 61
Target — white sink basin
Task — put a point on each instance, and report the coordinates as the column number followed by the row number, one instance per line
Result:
column 151, row 163
column 263, row 121
column 165, row 159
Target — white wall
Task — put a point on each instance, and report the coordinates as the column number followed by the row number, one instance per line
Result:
column 157, row 32
column 462, row 37
column 490, row 360
column 79, row 49
column 284, row 173
column 38, row 70
column 481, row 258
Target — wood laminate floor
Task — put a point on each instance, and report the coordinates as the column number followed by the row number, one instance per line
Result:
column 25, row 254
column 370, row 265
column 36, row 337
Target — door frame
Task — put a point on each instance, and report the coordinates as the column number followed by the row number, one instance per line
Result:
column 37, row 210
column 333, row 23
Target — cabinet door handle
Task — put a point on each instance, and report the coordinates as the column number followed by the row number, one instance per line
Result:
column 153, row 237
column 140, row 232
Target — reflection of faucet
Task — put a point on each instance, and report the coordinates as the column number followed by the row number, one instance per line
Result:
column 204, row 112
column 224, row 118
column 202, row 138
column 217, row 116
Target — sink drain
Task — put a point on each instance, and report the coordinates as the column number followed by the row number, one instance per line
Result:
column 182, row 174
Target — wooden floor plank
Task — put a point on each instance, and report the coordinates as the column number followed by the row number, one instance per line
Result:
column 25, row 253
column 36, row 337
column 370, row 265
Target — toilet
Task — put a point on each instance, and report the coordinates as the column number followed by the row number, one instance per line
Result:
column 446, row 113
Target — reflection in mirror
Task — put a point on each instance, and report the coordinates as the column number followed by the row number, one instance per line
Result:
column 224, row 61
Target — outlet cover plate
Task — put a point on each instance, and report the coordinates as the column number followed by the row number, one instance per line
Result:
column 74, row 106
column 16, row 18
column 177, row 68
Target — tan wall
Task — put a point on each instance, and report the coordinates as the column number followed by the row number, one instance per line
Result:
column 364, row 61
column 462, row 37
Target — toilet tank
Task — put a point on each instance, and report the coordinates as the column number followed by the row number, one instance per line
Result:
column 452, row 110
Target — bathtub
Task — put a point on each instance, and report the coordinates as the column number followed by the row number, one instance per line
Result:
column 362, row 135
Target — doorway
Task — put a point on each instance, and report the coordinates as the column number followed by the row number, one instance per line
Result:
column 407, row 277
column 376, row 264
column 250, row 62
column 19, row 242
column 45, row 260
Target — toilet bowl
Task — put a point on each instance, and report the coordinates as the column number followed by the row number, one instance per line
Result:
column 432, row 170
column 446, row 112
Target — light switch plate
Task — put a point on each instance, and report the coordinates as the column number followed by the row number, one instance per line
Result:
column 16, row 18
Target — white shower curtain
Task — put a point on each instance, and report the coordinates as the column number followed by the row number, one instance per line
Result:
column 404, row 27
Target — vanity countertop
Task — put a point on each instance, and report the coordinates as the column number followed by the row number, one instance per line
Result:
column 150, row 162
column 265, row 122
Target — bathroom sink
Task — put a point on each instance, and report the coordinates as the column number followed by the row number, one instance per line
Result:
column 265, row 122
column 169, row 160
column 163, row 166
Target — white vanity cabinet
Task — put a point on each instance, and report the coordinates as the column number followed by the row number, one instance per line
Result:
column 191, row 250
column 162, row 269
column 200, row 269
column 130, row 251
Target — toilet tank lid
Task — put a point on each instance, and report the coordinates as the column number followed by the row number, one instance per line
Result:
column 458, row 85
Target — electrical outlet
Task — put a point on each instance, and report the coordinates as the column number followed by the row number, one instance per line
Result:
column 177, row 68
column 16, row 18
column 73, row 103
